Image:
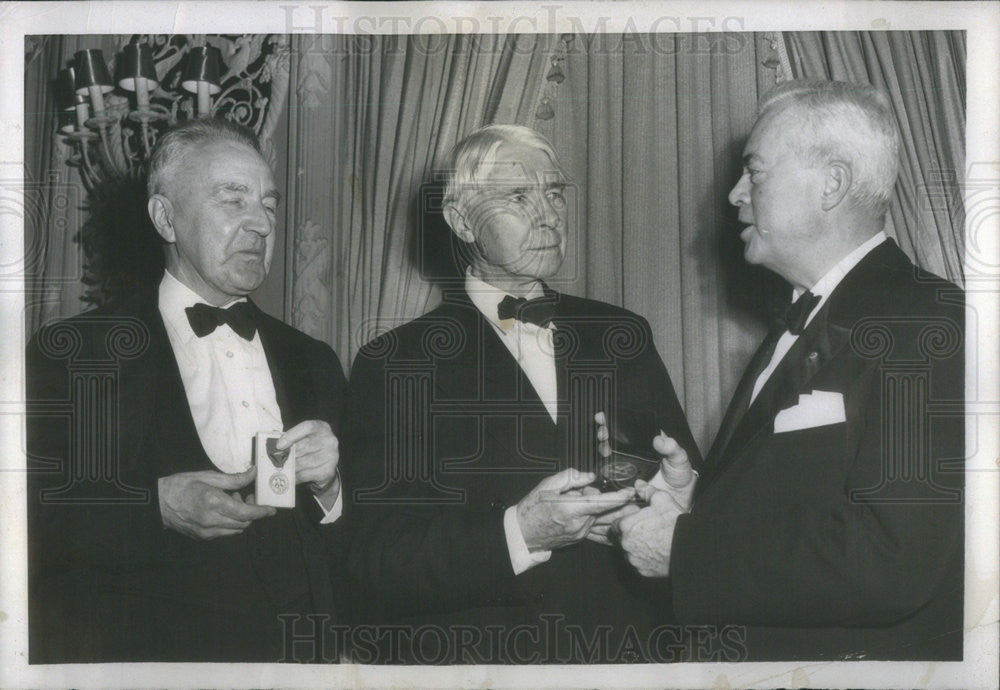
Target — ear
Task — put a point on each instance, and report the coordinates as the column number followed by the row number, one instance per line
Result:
column 458, row 225
column 836, row 184
column 161, row 212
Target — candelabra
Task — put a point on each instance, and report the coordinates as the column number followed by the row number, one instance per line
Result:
column 111, row 126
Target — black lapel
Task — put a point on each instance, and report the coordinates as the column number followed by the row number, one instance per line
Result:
column 295, row 402
column 738, row 406
column 142, row 380
column 281, row 363
column 151, row 384
column 821, row 342
column 582, row 358
column 502, row 377
column 500, row 383
column 825, row 337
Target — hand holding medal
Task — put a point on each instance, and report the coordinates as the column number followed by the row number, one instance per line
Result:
column 312, row 457
column 275, row 484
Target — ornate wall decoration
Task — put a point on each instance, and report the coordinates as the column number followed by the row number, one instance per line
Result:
column 774, row 57
column 313, row 74
column 544, row 112
column 311, row 296
column 112, row 127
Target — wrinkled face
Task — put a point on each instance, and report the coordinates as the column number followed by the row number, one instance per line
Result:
column 223, row 202
column 778, row 197
column 518, row 217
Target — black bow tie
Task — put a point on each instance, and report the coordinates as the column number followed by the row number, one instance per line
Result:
column 798, row 312
column 538, row 311
column 204, row 319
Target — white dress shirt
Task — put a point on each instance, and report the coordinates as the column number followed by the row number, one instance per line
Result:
column 227, row 382
column 531, row 348
column 824, row 287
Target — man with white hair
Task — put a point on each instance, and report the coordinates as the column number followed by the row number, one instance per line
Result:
column 828, row 517
column 468, row 441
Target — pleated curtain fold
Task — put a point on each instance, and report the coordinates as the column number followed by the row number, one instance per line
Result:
column 649, row 128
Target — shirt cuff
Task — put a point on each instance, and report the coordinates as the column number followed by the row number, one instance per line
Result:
column 332, row 515
column 521, row 559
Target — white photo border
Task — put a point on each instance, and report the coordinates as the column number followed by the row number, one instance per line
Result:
column 981, row 21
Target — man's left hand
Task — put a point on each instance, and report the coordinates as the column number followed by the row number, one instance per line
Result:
column 316, row 457
column 647, row 536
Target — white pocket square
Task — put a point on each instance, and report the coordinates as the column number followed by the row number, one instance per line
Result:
column 818, row 408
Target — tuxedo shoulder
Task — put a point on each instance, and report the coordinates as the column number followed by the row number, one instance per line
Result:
column 892, row 286
column 449, row 321
column 290, row 336
column 130, row 306
column 912, row 291
column 584, row 307
column 128, row 316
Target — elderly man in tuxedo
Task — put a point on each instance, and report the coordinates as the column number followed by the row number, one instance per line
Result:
column 828, row 517
column 468, row 441
column 145, row 541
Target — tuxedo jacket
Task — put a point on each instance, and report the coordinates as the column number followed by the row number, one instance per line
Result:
column 108, row 416
column 836, row 531
column 442, row 433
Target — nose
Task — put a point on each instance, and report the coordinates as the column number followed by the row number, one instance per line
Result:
column 259, row 220
column 739, row 195
column 551, row 211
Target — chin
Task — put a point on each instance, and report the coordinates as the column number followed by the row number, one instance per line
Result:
column 247, row 285
column 753, row 252
column 547, row 271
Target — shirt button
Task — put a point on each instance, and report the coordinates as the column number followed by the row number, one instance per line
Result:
column 229, row 353
column 245, row 403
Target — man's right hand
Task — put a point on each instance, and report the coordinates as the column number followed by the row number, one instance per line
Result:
column 196, row 503
column 558, row 513
column 677, row 477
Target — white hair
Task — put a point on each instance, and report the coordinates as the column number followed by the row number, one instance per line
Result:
column 839, row 120
column 470, row 153
column 187, row 137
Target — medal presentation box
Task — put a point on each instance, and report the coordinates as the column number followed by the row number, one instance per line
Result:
column 275, row 471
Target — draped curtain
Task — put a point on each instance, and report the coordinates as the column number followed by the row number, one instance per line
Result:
column 923, row 73
column 649, row 130
column 54, row 195
column 376, row 116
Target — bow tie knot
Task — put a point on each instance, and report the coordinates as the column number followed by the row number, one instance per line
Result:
column 204, row 319
column 539, row 311
column 797, row 313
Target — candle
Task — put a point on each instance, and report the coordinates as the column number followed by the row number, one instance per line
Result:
column 82, row 114
column 97, row 99
column 204, row 99
column 141, row 94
